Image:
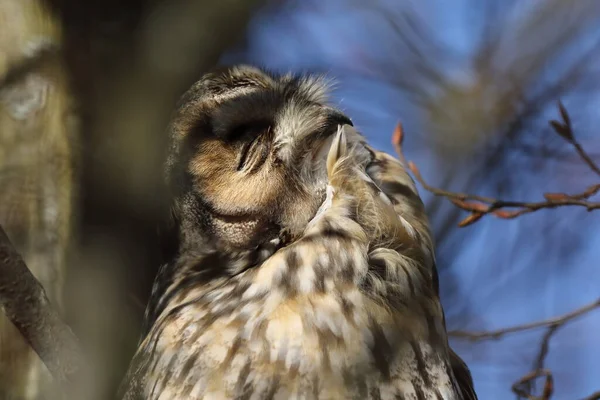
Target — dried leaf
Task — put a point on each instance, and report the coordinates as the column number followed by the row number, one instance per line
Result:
column 413, row 168
column 548, row 388
column 398, row 136
column 555, row 196
column 471, row 206
column 457, row 203
column 506, row 214
column 592, row 190
column 471, row 219
column 564, row 114
column 564, row 131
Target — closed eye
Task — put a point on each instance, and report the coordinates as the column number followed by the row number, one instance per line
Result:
column 244, row 153
column 249, row 135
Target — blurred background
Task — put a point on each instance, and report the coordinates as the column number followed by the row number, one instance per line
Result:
column 86, row 89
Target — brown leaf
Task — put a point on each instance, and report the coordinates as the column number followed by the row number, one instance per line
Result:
column 548, row 388
column 506, row 214
column 471, row 219
column 563, row 130
column 555, row 196
column 412, row 166
column 398, row 136
column 564, row 114
column 591, row 190
column 470, row 206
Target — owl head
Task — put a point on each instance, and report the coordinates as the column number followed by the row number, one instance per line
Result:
column 247, row 157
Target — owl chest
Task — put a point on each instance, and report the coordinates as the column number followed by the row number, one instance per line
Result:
column 310, row 347
column 311, row 332
column 300, row 342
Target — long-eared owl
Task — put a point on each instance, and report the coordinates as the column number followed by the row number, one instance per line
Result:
column 304, row 266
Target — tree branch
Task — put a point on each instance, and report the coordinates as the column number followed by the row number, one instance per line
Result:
column 26, row 305
column 521, row 387
column 525, row 385
column 478, row 206
column 552, row 323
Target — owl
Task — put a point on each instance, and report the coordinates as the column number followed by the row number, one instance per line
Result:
column 304, row 265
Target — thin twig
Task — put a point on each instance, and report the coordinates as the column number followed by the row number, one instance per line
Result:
column 543, row 352
column 585, row 157
column 565, row 130
column 520, row 387
column 547, row 323
column 526, row 384
column 478, row 206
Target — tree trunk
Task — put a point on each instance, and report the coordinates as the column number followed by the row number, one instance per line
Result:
column 37, row 133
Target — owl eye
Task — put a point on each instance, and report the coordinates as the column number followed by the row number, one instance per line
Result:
column 244, row 154
column 254, row 138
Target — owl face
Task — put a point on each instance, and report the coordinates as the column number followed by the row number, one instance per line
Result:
column 248, row 152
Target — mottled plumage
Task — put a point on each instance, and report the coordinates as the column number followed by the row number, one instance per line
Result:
column 305, row 267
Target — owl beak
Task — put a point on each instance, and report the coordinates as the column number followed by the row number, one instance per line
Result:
column 336, row 117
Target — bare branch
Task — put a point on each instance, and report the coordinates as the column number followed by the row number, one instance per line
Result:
column 565, row 130
column 525, row 385
column 24, row 301
column 548, row 323
column 520, row 387
column 478, row 206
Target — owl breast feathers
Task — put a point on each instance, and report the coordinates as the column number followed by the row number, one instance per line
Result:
column 305, row 265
